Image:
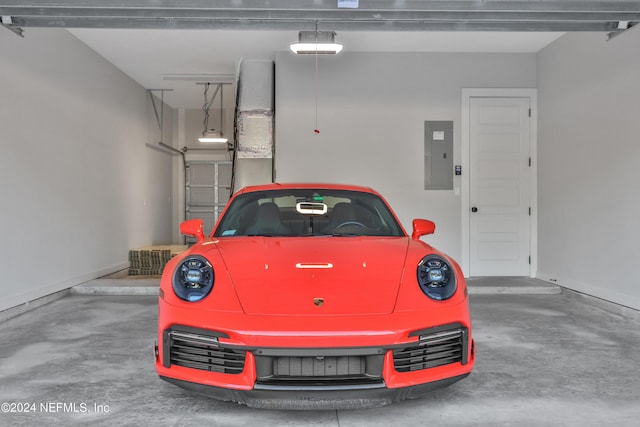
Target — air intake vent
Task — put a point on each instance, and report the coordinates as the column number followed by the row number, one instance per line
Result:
column 204, row 353
column 436, row 348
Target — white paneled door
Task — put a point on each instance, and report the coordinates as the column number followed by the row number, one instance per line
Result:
column 499, row 191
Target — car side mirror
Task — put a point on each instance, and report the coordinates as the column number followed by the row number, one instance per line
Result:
column 194, row 228
column 422, row 227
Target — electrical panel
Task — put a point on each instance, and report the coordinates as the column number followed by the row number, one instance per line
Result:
column 438, row 155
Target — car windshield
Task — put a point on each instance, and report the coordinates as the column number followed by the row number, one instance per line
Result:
column 308, row 212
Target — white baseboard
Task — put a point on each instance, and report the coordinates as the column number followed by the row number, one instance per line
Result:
column 31, row 305
column 33, row 297
column 606, row 299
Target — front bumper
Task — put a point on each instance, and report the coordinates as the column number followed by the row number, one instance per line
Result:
column 314, row 377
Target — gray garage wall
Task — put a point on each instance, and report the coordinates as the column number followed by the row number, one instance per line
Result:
column 78, row 186
column 371, row 113
column 589, row 174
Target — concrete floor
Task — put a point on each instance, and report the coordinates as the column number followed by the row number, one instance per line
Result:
column 543, row 359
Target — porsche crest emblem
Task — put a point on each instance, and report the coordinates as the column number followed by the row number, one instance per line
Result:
column 318, row 301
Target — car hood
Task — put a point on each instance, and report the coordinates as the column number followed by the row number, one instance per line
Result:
column 315, row 275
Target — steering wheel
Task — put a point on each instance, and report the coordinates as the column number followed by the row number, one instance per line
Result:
column 344, row 224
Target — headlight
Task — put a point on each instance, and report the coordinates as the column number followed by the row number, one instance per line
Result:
column 436, row 278
column 193, row 279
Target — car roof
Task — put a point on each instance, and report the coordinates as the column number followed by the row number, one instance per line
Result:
column 306, row 185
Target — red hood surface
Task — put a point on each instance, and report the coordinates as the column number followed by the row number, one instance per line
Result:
column 315, row 275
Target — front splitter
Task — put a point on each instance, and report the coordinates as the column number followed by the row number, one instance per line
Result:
column 304, row 398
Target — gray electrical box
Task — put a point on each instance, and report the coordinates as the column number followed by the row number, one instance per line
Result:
column 438, row 155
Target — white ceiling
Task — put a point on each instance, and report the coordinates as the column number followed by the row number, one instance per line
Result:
column 148, row 39
column 147, row 55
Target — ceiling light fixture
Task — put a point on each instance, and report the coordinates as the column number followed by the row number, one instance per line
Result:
column 212, row 136
column 316, row 42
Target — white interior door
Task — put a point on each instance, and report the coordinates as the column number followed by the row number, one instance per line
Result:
column 499, row 190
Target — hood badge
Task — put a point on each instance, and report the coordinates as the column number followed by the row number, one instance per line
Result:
column 318, row 301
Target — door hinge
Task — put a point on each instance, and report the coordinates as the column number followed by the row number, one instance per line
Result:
column 529, row 259
column 529, row 112
column 529, row 161
column 529, row 210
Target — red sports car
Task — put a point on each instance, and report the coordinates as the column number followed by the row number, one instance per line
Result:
column 310, row 296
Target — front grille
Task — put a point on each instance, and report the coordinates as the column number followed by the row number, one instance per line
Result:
column 324, row 368
column 339, row 366
column 435, row 348
column 204, row 353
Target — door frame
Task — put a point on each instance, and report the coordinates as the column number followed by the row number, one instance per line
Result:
column 467, row 94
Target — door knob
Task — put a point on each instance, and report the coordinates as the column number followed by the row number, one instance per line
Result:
column 474, row 209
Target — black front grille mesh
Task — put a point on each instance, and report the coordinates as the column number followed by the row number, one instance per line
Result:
column 204, row 353
column 433, row 349
column 325, row 367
